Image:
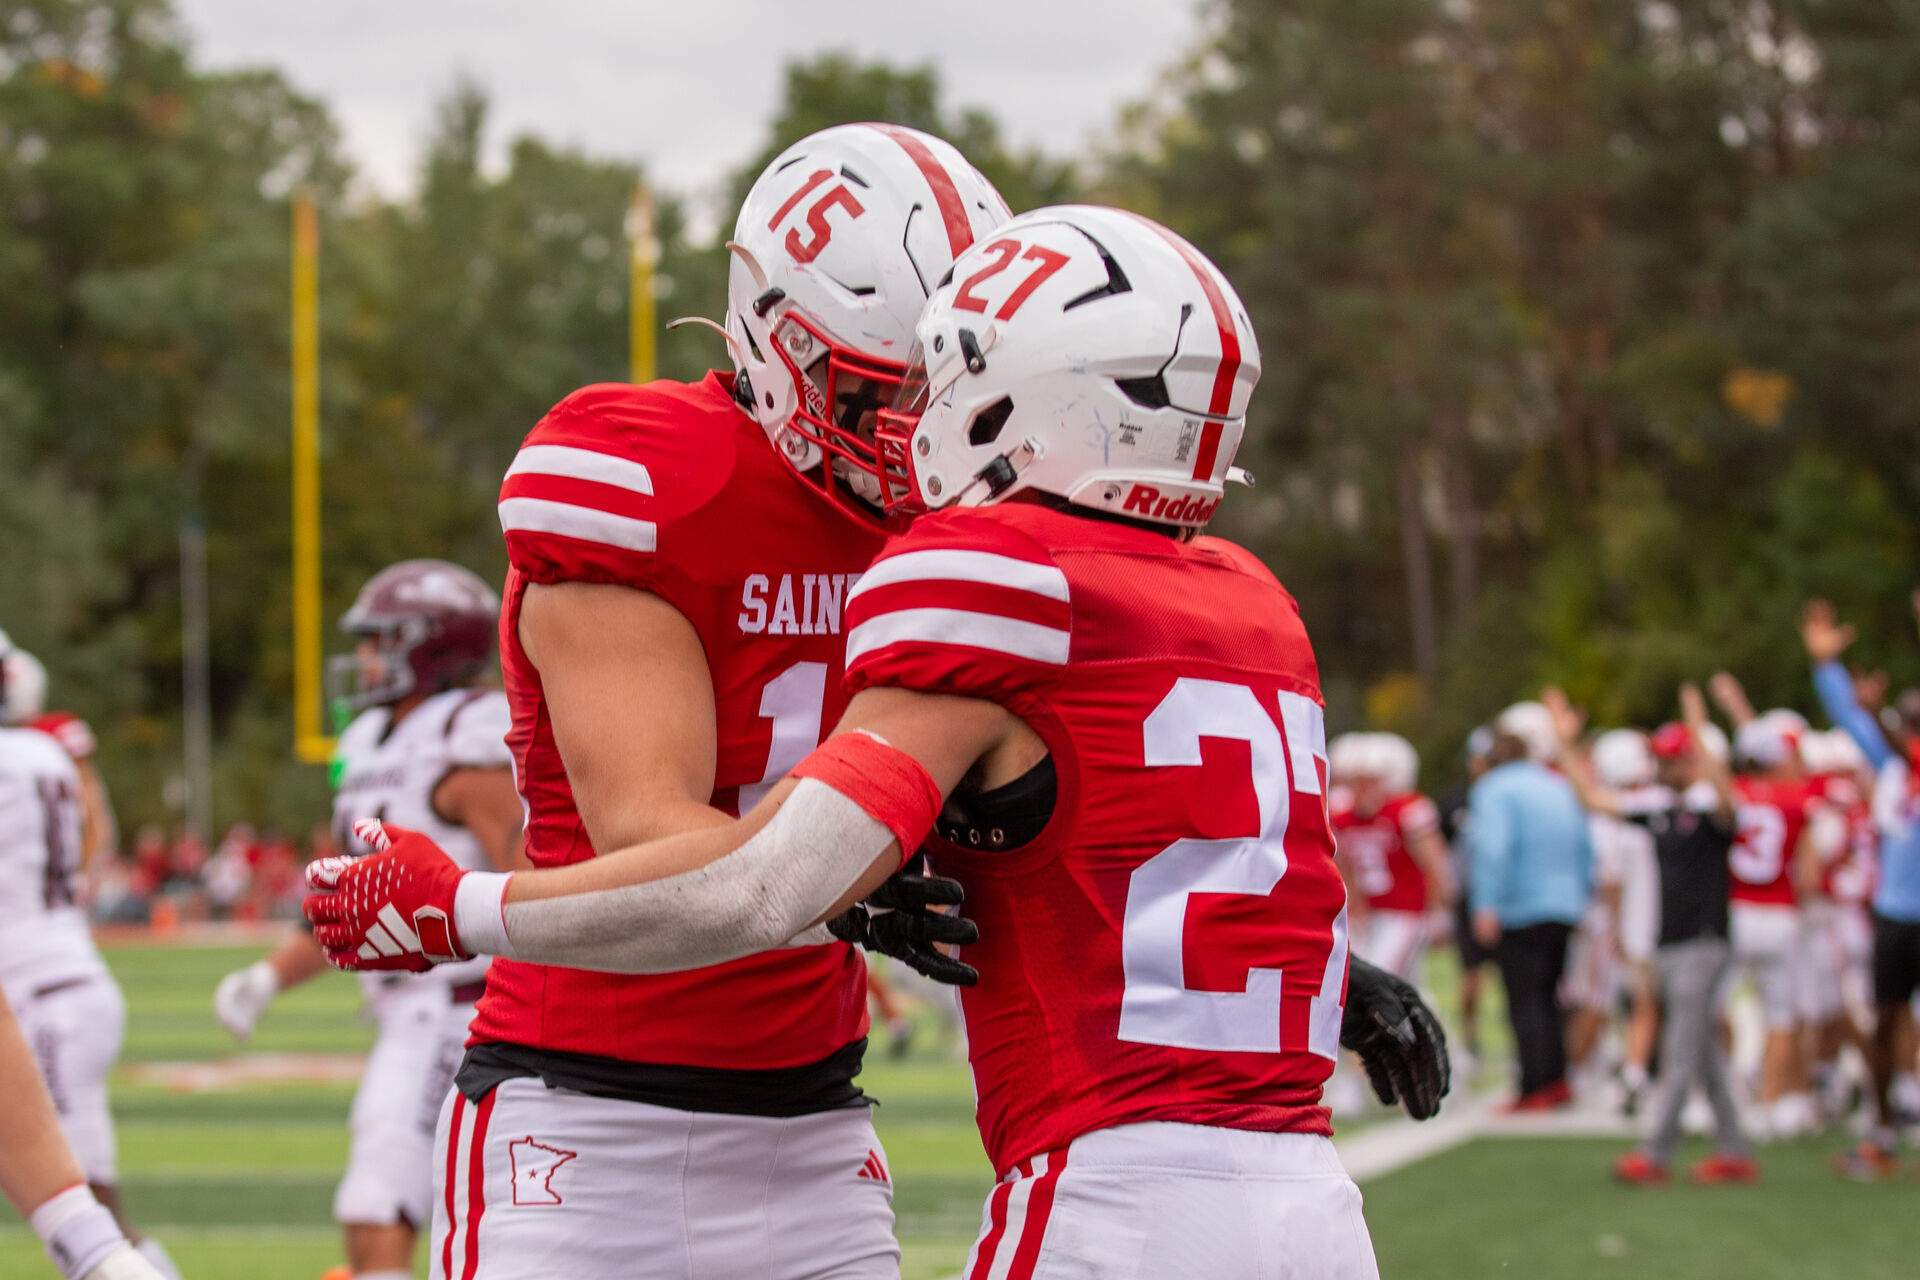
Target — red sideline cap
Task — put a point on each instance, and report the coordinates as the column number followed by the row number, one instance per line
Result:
column 1671, row 741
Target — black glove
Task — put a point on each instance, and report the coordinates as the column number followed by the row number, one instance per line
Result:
column 1398, row 1039
column 900, row 919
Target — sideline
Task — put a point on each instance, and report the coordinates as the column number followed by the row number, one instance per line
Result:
column 224, row 933
column 1394, row 1144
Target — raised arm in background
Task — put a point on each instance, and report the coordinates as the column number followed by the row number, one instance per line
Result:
column 1713, row 770
column 1826, row 639
column 1731, row 697
column 1567, row 723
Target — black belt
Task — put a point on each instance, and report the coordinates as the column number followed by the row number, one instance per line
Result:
column 808, row 1089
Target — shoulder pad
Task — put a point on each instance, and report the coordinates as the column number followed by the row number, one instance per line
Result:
column 595, row 483
column 476, row 730
column 962, row 604
column 74, row 735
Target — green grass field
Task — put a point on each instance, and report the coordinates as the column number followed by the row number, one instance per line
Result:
column 238, row 1181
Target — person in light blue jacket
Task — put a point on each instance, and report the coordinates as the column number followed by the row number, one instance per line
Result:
column 1530, row 868
column 1896, row 903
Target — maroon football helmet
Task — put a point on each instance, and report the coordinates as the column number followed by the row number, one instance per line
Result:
column 434, row 627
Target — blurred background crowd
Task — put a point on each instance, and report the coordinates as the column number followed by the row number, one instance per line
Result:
column 168, row 876
column 1660, row 899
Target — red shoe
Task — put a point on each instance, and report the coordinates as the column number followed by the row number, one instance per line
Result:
column 1867, row 1162
column 1717, row 1169
column 1634, row 1168
column 1551, row 1098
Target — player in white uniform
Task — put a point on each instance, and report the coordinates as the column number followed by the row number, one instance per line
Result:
column 1612, row 954
column 67, row 1003
column 431, row 747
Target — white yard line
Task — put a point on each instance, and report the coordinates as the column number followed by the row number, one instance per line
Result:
column 1394, row 1144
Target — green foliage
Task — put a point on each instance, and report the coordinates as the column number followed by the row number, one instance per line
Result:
column 838, row 88
column 1587, row 335
column 1610, row 303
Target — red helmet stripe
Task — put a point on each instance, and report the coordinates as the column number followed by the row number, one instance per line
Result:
column 953, row 210
column 1229, row 349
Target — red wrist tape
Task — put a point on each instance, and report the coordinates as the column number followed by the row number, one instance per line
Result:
column 892, row 787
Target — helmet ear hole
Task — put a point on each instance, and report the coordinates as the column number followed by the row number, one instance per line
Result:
column 989, row 422
column 1148, row 393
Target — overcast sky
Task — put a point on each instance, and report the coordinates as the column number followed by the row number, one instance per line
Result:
column 685, row 86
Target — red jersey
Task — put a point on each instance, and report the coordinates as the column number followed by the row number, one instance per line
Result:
column 1377, row 848
column 672, row 489
column 1773, row 817
column 74, row 735
column 1173, row 946
column 1848, row 871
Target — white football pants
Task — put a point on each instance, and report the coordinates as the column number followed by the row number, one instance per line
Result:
column 75, row 1029
column 389, row 1177
column 533, row 1183
column 1154, row 1201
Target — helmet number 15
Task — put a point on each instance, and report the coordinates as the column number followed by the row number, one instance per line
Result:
column 1005, row 253
column 1158, row 1007
column 820, row 231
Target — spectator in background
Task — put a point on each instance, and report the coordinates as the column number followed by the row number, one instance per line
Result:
column 1691, row 818
column 1474, row 958
column 151, row 862
column 1896, row 903
column 277, row 877
column 1598, row 973
column 1530, row 874
column 229, row 872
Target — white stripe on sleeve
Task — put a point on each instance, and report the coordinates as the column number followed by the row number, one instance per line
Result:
column 940, row 565
column 542, row 515
column 959, row 627
column 581, row 464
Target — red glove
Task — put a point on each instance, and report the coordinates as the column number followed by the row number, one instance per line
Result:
column 390, row 910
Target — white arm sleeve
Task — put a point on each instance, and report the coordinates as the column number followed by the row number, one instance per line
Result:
column 754, row 899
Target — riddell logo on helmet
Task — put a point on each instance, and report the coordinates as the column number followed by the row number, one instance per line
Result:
column 1177, row 507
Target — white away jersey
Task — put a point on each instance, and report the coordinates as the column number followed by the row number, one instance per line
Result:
column 44, row 937
column 390, row 772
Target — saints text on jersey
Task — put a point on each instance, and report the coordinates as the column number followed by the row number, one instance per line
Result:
column 802, row 604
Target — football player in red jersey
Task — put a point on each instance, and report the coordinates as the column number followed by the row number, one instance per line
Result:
column 428, row 741
column 1123, row 722
column 1773, row 859
column 671, row 636
column 1838, row 925
column 1388, row 838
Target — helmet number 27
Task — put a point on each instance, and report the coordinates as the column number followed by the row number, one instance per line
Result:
column 1158, row 1007
column 1005, row 253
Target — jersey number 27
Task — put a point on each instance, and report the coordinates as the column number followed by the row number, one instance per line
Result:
column 1158, row 1007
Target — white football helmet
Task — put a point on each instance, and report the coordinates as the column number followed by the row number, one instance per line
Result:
column 1622, row 759
column 1399, row 763
column 838, row 246
column 23, row 684
column 1770, row 739
column 1834, row 751
column 1532, row 723
column 1082, row 352
column 1346, row 757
